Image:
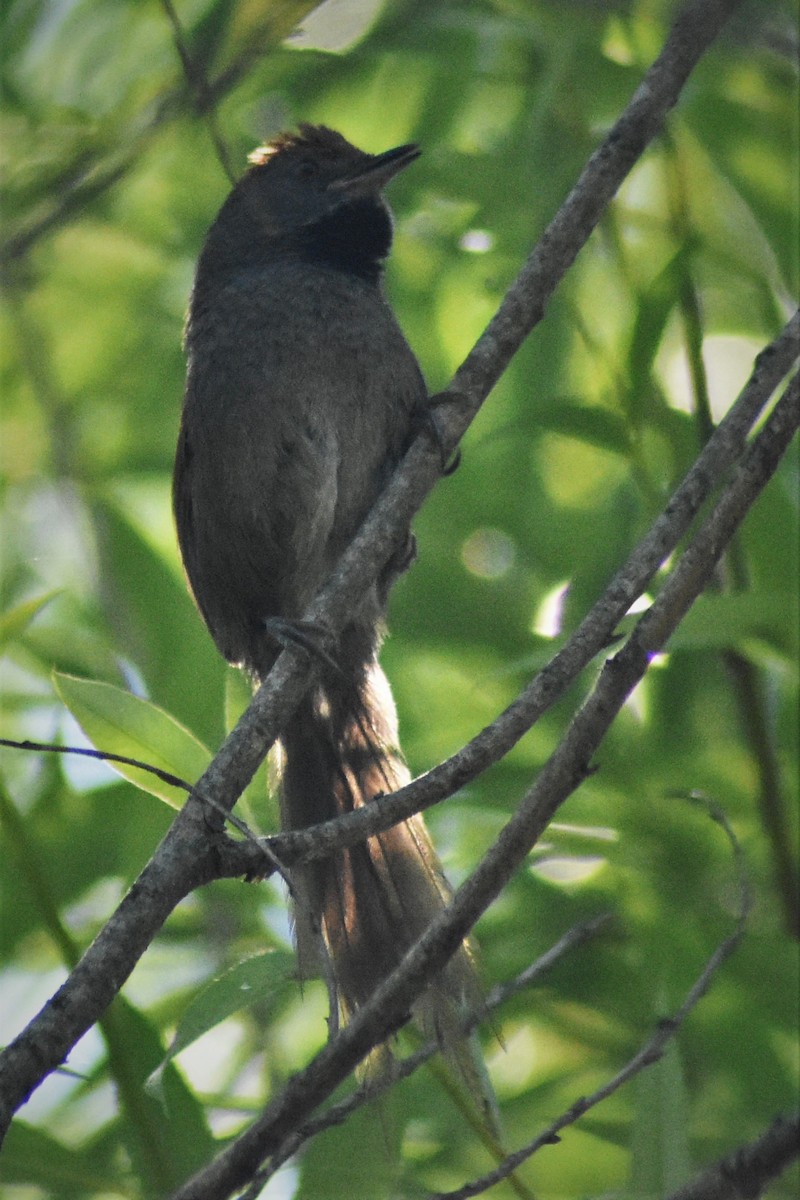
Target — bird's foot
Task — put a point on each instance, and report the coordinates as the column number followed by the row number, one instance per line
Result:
column 426, row 418
column 314, row 637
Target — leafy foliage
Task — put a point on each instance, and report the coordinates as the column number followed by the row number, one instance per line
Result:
column 111, row 182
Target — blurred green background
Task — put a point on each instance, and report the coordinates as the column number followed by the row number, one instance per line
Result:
column 110, row 182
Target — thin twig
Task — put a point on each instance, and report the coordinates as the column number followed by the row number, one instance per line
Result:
column 338, row 1113
column 748, row 1170
column 561, row 775
column 593, row 635
column 198, row 84
column 102, row 756
column 263, row 847
column 653, row 1049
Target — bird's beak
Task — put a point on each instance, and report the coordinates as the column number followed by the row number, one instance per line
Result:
column 373, row 175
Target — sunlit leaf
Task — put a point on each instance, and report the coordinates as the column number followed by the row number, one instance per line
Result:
column 16, row 620
column 117, row 722
column 264, row 979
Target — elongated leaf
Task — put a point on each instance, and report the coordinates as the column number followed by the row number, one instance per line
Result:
column 167, row 1135
column 118, row 722
column 660, row 1150
column 722, row 622
column 264, row 978
column 31, row 1156
column 17, row 619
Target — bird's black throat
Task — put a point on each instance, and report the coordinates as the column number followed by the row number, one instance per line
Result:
column 354, row 238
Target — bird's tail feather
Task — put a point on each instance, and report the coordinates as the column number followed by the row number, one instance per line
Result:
column 373, row 900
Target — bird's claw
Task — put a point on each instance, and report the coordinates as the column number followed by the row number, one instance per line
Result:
column 426, row 419
column 312, row 636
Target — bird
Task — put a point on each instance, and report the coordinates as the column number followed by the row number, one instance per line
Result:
column 301, row 397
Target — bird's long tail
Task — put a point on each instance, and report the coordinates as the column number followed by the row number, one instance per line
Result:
column 372, row 901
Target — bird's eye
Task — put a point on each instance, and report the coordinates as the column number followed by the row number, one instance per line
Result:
column 306, row 169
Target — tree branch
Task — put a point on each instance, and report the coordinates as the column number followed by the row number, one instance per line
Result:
column 523, row 305
column 747, row 1171
column 390, row 1005
column 594, row 634
column 338, row 1113
column 650, row 1053
column 82, row 182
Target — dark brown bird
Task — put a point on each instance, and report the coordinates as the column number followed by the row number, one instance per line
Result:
column 300, row 396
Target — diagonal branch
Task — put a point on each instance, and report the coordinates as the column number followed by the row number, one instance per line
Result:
column 692, row 33
column 648, row 1054
column 750, row 1168
column 86, row 178
column 594, row 634
column 340, row 1112
column 567, row 767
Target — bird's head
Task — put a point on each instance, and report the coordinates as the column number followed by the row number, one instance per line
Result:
column 313, row 192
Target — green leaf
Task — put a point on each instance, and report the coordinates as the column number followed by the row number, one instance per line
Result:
column 354, row 1160
column 264, row 978
column 17, row 619
column 654, row 307
column 659, row 1146
column 117, row 722
column 723, row 622
column 335, row 25
column 597, row 426
column 31, row 1156
column 167, row 1135
column 164, row 634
